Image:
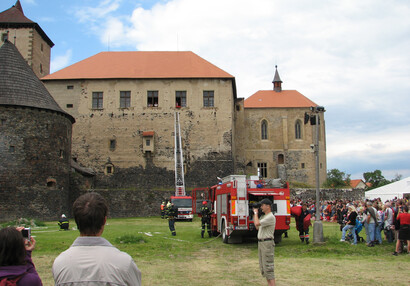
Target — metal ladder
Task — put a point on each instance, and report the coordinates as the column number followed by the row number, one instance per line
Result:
column 179, row 162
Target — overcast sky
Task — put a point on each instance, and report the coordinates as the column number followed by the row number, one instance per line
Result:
column 352, row 57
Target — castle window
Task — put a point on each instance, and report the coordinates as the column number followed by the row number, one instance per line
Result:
column 152, row 98
column 109, row 169
column 180, row 98
column 264, row 130
column 125, row 99
column 281, row 159
column 70, row 86
column 113, row 144
column 298, row 133
column 263, row 170
column 51, row 183
column 238, row 108
column 69, row 105
column 62, row 154
column 97, row 100
column 302, row 165
column 4, row 37
column 208, row 98
column 41, row 68
column 2, row 122
column 41, row 47
column 148, row 142
column 12, row 149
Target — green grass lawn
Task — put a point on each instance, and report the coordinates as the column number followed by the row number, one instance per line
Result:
column 187, row 259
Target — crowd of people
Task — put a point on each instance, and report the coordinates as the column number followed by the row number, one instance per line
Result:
column 387, row 221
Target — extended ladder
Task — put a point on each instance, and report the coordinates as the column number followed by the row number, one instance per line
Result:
column 179, row 162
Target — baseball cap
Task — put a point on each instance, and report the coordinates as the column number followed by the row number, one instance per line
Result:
column 266, row 202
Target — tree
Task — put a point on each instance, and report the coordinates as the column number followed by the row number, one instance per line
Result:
column 376, row 179
column 336, row 179
column 397, row 177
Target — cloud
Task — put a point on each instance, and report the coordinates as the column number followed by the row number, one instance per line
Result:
column 349, row 56
column 61, row 61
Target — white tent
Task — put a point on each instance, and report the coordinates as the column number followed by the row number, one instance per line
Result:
column 397, row 189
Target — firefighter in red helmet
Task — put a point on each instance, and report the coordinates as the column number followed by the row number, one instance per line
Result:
column 206, row 219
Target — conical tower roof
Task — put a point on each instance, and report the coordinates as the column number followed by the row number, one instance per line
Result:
column 277, row 82
column 19, row 86
column 14, row 18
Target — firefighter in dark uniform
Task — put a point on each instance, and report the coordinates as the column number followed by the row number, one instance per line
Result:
column 303, row 227
column 63, row 222
column 206, row 219
column 172, row 214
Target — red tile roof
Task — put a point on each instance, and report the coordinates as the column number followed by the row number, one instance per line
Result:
column 354, row 183
column 15, row 18
column 148, row 133
column 140, row 65
column 14, row 15
column 271, row 98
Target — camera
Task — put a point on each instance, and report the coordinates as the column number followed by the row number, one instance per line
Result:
column 255, row 206
column 26, row 232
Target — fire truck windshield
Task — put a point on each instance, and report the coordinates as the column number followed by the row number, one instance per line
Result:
column 184, row 203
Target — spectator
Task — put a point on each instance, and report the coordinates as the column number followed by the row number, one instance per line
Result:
column 388, row 222
column 404, row 233
column 350, row 224
column 371, row 221
column 91, row 259
column 379, row 225
column 15, row 258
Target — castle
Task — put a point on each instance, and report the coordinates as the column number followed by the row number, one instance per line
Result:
column 124, row 105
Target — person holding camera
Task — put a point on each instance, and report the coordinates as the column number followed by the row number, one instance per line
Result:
column 91, row 259
column 16, row 266
column 266, row 244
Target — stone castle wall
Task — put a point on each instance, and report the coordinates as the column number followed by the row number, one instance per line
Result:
column 35, row 158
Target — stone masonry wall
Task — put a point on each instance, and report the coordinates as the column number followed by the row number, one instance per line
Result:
column 35, row 163
column 327, row 194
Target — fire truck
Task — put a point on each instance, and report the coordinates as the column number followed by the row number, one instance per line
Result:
column 184, row 206
column 232, row 201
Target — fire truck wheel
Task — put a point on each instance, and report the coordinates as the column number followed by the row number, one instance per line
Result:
column 224, row 233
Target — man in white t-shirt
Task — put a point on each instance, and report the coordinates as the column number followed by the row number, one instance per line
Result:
column 266, row 244
column 91, row 259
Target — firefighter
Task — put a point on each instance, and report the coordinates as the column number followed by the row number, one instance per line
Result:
column 171, row 213
column 163, row 210
column 303, row 224
column 63, row 222
column 206, row 219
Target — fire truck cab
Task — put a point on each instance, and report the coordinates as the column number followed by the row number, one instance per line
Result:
column 232, row 202
column 184, row 206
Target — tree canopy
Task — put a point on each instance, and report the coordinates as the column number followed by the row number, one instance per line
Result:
column 336, row 179
column 376, row 179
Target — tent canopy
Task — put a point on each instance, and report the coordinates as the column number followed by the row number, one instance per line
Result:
column 399, row 189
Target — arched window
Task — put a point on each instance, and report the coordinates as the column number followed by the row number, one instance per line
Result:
column 264, row 130
column 298, row 132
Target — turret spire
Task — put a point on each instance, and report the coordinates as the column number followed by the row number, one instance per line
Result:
column 277, row 82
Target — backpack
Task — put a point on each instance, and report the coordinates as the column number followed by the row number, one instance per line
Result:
column 10, row 281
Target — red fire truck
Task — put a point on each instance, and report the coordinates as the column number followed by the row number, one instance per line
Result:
column 232, row 202
column 184, row 206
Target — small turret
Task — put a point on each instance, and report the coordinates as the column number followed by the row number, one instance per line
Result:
column 277, row 82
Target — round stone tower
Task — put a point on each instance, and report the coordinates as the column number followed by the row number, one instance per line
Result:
column 35, row 144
